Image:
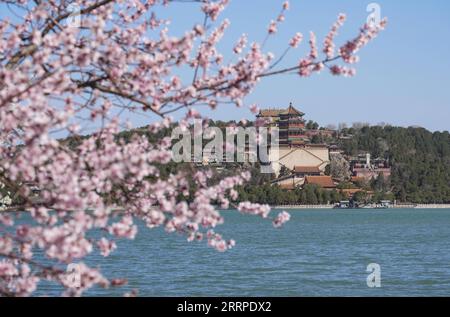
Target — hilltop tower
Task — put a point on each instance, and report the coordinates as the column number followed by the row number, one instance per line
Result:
column 290, row 123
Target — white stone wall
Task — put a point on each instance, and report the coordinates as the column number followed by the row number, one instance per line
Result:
column 296, row 181
column 290, row 157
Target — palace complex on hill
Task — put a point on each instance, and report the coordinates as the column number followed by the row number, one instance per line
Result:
column 291, row 125
column 295, row 153
column 297, row 161
column 300, row 159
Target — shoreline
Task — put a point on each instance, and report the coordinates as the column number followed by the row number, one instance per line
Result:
column 321, row 207
column 399, row 206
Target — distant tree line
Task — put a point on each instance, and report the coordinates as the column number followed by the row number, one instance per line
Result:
column 274, row 195
column 420, row 160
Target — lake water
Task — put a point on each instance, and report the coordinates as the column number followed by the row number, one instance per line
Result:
column 318, row 253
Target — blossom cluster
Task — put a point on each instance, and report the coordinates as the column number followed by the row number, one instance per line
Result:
column 311, row 63
column 65, row 94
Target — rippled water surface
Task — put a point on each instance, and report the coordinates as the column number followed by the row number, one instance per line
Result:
column 318, row 253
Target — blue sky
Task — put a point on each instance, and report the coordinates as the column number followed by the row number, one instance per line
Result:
column 403, row 77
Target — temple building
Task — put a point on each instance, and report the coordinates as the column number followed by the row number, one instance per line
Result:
column 292, row 126
column 325, row 182
column 297, row 176
column 303, row 171
column 307, row 159
column 363, row 167
column 294, row 152
column 290, row 123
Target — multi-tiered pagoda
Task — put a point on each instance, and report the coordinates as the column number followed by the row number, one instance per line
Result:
column 290, row 123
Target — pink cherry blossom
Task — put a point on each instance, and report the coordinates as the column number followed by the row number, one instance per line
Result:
column 67, row 93
column 313, row 46
column 254, row 108
column 213, row 9
column 106, row 246
column 296, row 40
column 272, row 27
column 281, row 219
column 254, row 209
column 240, row 45
column 328, row 46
